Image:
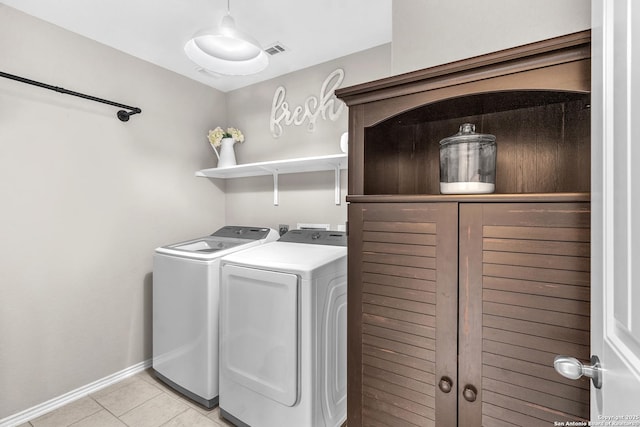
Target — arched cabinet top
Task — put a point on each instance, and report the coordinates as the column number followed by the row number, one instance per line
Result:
column 471, row 103
column 553, row 52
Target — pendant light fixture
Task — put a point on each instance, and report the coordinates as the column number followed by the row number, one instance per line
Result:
column 226, row 50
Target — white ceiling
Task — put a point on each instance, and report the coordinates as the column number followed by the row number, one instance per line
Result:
column 156, row 30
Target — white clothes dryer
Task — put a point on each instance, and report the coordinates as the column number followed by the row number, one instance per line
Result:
column 185, row 315
column 283, row 332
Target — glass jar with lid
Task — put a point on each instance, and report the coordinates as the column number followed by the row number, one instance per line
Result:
column 468, row 162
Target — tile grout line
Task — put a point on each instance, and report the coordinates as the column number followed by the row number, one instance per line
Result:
column 119, row 417
column 178, row 414
column 90, row 415
column 108, row 411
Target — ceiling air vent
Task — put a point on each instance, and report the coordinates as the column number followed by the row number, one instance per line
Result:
column 275, row 49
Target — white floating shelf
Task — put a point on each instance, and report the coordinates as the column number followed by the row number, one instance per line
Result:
column 334, row 162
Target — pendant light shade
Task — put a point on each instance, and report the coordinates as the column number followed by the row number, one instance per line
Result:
column 226, row 50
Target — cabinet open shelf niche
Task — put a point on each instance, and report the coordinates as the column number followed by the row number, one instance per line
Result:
column 331, row 162
column 542, row 137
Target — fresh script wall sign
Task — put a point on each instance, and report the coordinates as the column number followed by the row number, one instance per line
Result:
column 326, row 105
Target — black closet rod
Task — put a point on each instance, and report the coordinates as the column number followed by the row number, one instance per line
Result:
column 122, row 115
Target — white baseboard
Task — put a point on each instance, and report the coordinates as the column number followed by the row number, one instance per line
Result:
column 76, row 394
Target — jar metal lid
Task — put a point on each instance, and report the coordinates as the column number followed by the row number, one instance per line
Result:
column 467, row 134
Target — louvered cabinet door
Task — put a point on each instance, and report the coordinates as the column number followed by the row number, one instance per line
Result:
column 402, row 314
column 524, row 298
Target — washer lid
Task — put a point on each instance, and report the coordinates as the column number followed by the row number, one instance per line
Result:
column 226, row 240
column 208, row 244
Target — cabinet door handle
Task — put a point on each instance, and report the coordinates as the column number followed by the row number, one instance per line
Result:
column 445, row 384
column 470, row 393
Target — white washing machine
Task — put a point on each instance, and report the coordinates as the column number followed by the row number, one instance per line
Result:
column 283, row 332
column 186, row 295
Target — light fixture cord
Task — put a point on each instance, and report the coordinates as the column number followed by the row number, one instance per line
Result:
column 228, row 7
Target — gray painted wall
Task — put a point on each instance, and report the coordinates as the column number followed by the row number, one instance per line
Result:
column 307, row 197
column 85, row 200
column 434, row 32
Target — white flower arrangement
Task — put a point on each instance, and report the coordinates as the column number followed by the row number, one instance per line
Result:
column 217, row 135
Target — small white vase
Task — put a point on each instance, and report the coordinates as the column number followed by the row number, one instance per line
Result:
column 227, row 156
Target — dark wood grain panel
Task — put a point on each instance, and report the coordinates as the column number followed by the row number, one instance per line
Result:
column 539, row 330
column 565, row 305
column 520, row 353
column 400, row 391
column 488, row 421
column 400, row 282
column 400, row 227
column 546, row 261
column 389, row 213
column 400, row 249
column 413, row 379
column 398, row 347
column 498, row 404
column 575, row 159
column 560, row 234
column 549, row 247
column 399, row 237
column 403, row 260
column 545, row 218
column 552, row 402
column 378, row 419
column 549, row 317
column 507, row 416
column 398, row 303
column 383, row 415
column 402, row 408
column 396, row 292
column 400, row 337
column 399, row 314
column 567, row 277
column 546, row 157
column 400, row 271
column 580, row 351
column 558, row 290
column 370, row 354
column 398, row 325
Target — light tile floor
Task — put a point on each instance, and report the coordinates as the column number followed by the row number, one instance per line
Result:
column 138, row 401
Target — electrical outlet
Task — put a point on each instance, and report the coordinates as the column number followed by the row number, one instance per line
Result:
column 283, row 228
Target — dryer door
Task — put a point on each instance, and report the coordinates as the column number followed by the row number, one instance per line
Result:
column 259, row 331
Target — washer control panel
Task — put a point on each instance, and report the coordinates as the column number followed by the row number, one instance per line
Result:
column 315, row 237
column 241, row 232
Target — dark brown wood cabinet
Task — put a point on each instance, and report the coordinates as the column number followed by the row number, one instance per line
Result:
column 403, row 334
column 524, row 298
column 457, row 305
